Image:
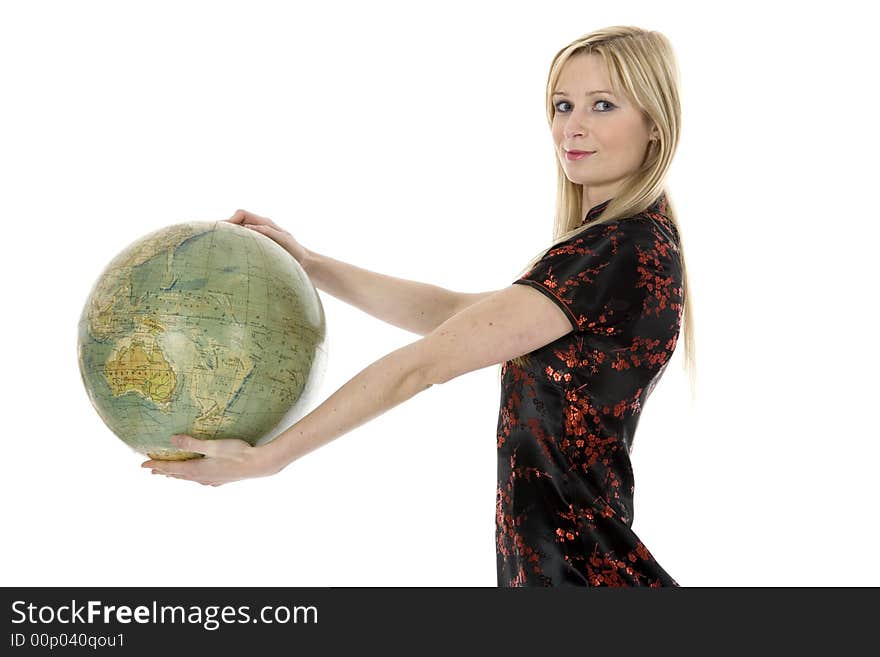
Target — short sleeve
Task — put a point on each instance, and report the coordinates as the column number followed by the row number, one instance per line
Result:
column 594, row 276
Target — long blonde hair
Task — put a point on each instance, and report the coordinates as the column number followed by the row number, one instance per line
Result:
column 642, row 67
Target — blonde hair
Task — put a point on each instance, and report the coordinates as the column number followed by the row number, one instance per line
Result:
column 641, row 67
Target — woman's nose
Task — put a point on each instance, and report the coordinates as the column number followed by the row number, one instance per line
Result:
column 575, row 126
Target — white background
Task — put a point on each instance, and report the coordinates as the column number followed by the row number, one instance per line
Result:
column 411, row 139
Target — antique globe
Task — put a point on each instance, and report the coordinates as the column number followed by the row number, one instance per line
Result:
column 201, row 328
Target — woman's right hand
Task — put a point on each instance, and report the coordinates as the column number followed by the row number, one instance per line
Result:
column 273, row 231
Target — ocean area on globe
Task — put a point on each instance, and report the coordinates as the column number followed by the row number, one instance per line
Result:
column 201, row 328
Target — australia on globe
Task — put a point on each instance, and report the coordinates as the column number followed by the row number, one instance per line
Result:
column 201, row 328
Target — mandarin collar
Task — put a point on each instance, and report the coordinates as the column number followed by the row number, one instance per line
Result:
column 658, row 207
column 596, row 210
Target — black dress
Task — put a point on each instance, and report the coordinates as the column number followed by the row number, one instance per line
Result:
column 564, row 505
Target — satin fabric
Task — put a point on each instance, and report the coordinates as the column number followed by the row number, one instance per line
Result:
column 567, row 420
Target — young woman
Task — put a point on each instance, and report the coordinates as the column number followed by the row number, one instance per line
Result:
column 583, row 335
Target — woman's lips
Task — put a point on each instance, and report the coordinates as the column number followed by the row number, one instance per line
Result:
column 577, row 155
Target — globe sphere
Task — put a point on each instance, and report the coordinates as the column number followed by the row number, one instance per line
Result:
column 201, row 328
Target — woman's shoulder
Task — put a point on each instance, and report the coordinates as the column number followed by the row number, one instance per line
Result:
column 650, row 225
column 660, row 221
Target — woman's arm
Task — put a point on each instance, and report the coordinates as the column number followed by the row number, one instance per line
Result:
column 413, row 306
column 410, row 305
column 376, row 389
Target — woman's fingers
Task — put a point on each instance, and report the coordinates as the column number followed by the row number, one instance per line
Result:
column 238, row 217
column 277, row 236
column 270, row 223
column 269, row 231
column 268, row 228
column 244, row 217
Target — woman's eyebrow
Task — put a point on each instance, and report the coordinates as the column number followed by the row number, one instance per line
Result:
column 589, row 93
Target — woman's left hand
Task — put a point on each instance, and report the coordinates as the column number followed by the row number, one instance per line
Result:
column 225, row 460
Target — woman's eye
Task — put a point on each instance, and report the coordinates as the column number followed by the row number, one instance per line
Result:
column 565, row 102
column 561, row 102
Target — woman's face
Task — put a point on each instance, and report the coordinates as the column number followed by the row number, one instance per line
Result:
column 609, row 125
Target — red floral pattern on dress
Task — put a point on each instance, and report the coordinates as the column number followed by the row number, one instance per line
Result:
column 564, row 501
